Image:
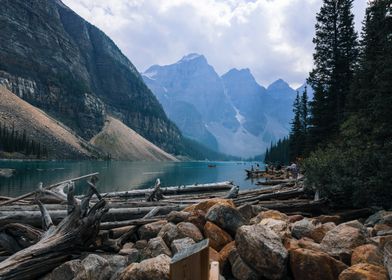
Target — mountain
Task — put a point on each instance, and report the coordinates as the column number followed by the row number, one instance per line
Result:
column 59, row 141
column 232, row 114
column 55, row 60
column 123, row 143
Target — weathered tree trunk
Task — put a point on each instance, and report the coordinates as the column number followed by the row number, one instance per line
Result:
column 75, row 233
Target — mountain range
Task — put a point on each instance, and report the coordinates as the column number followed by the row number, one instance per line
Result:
column 231, row 113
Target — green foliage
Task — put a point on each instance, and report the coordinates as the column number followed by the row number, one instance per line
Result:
column 278, row 153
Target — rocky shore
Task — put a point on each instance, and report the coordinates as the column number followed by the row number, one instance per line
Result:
column 249, row 243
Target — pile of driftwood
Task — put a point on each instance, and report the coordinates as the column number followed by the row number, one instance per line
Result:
column 42, row 229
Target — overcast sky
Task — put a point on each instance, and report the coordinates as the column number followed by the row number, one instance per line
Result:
column 273, row 38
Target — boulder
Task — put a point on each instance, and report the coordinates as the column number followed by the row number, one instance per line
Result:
column 217, row 236
column 280, row 227
column 377, row 218
column 176, row 217
column 213, row 255
column 364, row 271
column 151, row 230
column 343, row 239
column 207, row 204
column 226, row 217
column 308, row 243
column 68, row 271
column 155, row 247
column 225, row 253
column 198, row 218
column 116, row 262
column 290, row 244
column 140, row 244
column 381, row 241
column 303, row 228
column 388, row 258
column 246, row 211
column 168, row 232
column 186, row 229
column 97, row 267
column 240, row 269
column 328, row 219
column 318, row 233
column 126, row 248
column 270, row 214
column 295, row 218
column 262, row 250
column 180, row 244
column 131, row 254
column 150, row 269
column 367, row 253
column 309, row 264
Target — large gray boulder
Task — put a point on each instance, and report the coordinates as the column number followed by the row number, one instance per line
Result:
column 240, row 269
column 151, row 230
column 303, row 228
column 262, row 249
column 226, row 217
column 155, row 247
column 97, row 267
column 71, row 270
column 169, row 232
column 181, row 244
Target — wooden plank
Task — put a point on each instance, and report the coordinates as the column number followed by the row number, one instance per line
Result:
column 191, row 263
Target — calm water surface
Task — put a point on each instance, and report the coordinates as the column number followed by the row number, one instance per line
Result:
column 119, row 175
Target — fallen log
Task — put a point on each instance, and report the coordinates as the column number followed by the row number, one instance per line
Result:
column 76, row 232
column 275, row 195
column 308, row 206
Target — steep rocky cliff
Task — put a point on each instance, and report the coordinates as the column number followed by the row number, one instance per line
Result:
column 58, row 62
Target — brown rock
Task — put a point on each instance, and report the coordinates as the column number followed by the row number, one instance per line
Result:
column 176, row 217
column 290, row 244
column 246, row 211
column 328, row 219
column 270, row 214
column 318, row 233
column 150, row 269
column 262, row 250
column 67, row 271
column 140, row 244
column 281, row 228
column 308, row 243
column 295, row 218
column 343, row 239
column 388, row 257
column 126, row 248
column 225, row 253
column 151, row 230
column 198, row 218
column 186, row 229
column 155, row 247
column 207, row 204
column 303, row 228
column 218, row 237
column 226, row 217
column 309, row 264
column 169, row 232
column 367, row 254
column 381, row 227
column 240, row 269
column 364, row 271
column 381, row 241
column 180, row 244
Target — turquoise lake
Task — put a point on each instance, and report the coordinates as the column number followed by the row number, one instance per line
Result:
column 121, row 176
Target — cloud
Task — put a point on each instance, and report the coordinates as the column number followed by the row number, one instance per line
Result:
column 271, row 37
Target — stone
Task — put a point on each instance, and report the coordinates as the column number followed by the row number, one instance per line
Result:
column 280, row 227
column 180, row 244
column 367, row 253
column 377, row 218
column 381, row 241
column 240, row 269
column 207, row 204
column 226, row 217
column 68, row 271
column 295, row 218
column 150, row 269
column 140, row 244
column 225, row 253
column 343, row 239
column 169, row 232
column 308, row 243
column 290, row 244
column 176, row 217
column 388, row 258
column 186, row 229
column 318, row 233
column 364, row 271
column 198, row 218
column 155, row 247
column 262, row 250
column 246, row 211
column 328, row 219
column 309, row 264
column 96, row 267
column 217, row 236
column 303, row 228
column 126, row 248
column 116, row 262
column 151, row 230
column 269, row 214
column 380, row 229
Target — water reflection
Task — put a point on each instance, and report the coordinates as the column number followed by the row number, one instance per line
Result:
column 118, row 175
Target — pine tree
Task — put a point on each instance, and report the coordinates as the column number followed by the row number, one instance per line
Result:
column 334, row 59
column 296, row 134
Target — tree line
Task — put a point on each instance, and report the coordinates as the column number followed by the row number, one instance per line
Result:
column 12, row 141
column 346, row 137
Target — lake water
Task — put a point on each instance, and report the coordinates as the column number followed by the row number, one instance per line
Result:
column 121, row 176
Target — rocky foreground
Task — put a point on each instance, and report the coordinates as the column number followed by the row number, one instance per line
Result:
column 249, row 243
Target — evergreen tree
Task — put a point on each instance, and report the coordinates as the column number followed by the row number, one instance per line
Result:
column 334, row 59
column 296, row 134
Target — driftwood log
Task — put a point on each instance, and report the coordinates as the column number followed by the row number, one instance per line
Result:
column 75, row 233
